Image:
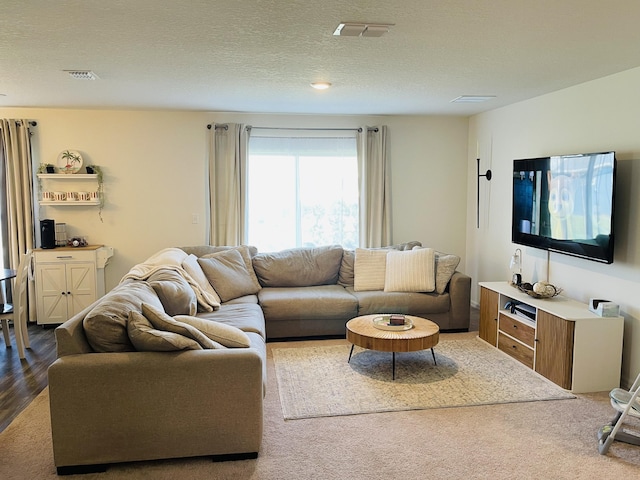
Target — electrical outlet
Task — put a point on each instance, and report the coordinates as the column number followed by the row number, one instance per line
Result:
column 195, row 218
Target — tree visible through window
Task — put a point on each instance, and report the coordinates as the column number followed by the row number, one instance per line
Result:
column 302, row 192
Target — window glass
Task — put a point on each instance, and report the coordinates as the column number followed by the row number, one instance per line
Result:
column 302, row 192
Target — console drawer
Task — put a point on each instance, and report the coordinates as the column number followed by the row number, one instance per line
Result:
column 520, row 330
column 520, row 352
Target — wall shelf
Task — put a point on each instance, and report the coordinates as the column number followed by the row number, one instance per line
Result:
column 69, row 176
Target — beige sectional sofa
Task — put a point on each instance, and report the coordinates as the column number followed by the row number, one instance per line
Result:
column 136, row 379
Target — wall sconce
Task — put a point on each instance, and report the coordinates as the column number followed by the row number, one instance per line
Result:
column 515, row 265
column 487, row 175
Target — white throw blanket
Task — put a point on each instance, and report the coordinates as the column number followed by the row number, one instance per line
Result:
column 171, row 259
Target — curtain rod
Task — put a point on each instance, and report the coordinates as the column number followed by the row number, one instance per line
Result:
column 32, row 123
column 374, row 129
column 249, row 127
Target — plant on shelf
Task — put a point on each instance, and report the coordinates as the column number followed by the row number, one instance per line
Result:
column 95, row 169
column 44, row 168
column 72, row 159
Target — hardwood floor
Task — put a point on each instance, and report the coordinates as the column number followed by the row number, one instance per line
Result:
column 22, row 380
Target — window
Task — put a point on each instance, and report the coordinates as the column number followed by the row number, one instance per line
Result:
column 302, row 191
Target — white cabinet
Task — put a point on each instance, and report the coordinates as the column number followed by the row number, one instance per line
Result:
column 565, row 342
column 68, row 280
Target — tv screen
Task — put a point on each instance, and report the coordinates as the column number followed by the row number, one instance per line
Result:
column 565, row 204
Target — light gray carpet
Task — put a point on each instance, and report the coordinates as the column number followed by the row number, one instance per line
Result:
column 515, row 441
column 318, row 381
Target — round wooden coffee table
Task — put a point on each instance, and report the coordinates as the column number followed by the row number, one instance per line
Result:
column 362, row 332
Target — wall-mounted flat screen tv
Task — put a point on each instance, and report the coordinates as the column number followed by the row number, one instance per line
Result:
column 565, row 204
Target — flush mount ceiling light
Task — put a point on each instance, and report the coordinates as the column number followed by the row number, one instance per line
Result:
column 472, row 98
column 82, row 74
column 320, row 85
column 352, row 29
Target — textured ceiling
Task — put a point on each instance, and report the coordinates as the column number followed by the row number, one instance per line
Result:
column 261, row 55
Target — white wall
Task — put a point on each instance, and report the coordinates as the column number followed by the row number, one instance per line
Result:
column 154, row 168
column 597, row 116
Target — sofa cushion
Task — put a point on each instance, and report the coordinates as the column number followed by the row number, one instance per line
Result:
column 228, row 274
column 299, row 267
column 247, row 253
column 106, row 324
column 145, row 338
column 192, row 267
column 174, row 292
column 162, row 321
column 345, row 277
column 226, row 335
column 369, row 269
column 410, row 271
column 446, row 265
column 301, row 303
column 203, row 250
column 409, row 303
column 248, row 317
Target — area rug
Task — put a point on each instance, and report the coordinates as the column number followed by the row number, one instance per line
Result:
column 318, row 381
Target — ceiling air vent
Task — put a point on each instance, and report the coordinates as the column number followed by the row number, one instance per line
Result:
column 82, row 74
column 472, row 98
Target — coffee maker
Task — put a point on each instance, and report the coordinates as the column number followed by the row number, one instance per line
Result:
column 47, row 233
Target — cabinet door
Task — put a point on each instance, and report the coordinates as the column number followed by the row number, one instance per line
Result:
column 81, row 286
column 554, row 348
column 488, row 327
column 51, row 289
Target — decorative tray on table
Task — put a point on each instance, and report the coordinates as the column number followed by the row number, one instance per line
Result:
column 383, row 322
column 538, row 290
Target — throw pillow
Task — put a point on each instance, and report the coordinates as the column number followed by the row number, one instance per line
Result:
column 145, row 338
column 228, row 274
column 227, row 335
column 369, row 269
column 193, row 268
column 410, row 271
column 247, row 253
column 346, row 268
column 446, row 265
column 174, row 292
column 106, row 324
column 161, row 321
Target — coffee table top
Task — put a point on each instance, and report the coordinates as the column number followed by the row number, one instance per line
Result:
column 424, row 334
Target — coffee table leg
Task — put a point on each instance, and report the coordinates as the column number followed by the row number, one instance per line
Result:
column 393, row 368
column 351, row 352
column 434, row 356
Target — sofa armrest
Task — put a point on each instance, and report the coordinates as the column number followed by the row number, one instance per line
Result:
column 460, row 294
column 119, row 407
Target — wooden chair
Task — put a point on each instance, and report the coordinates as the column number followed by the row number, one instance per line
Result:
column 18, row 311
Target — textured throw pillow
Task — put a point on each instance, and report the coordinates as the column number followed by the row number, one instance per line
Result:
column 161, row 321
column 226, row 335
column 106, row 324
column 228, row 274
column 299, row 267
column 193, row 268
column 145, row 338
column 446, row 265
column 369, row 269
column 175, row 293
column 410, row 271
